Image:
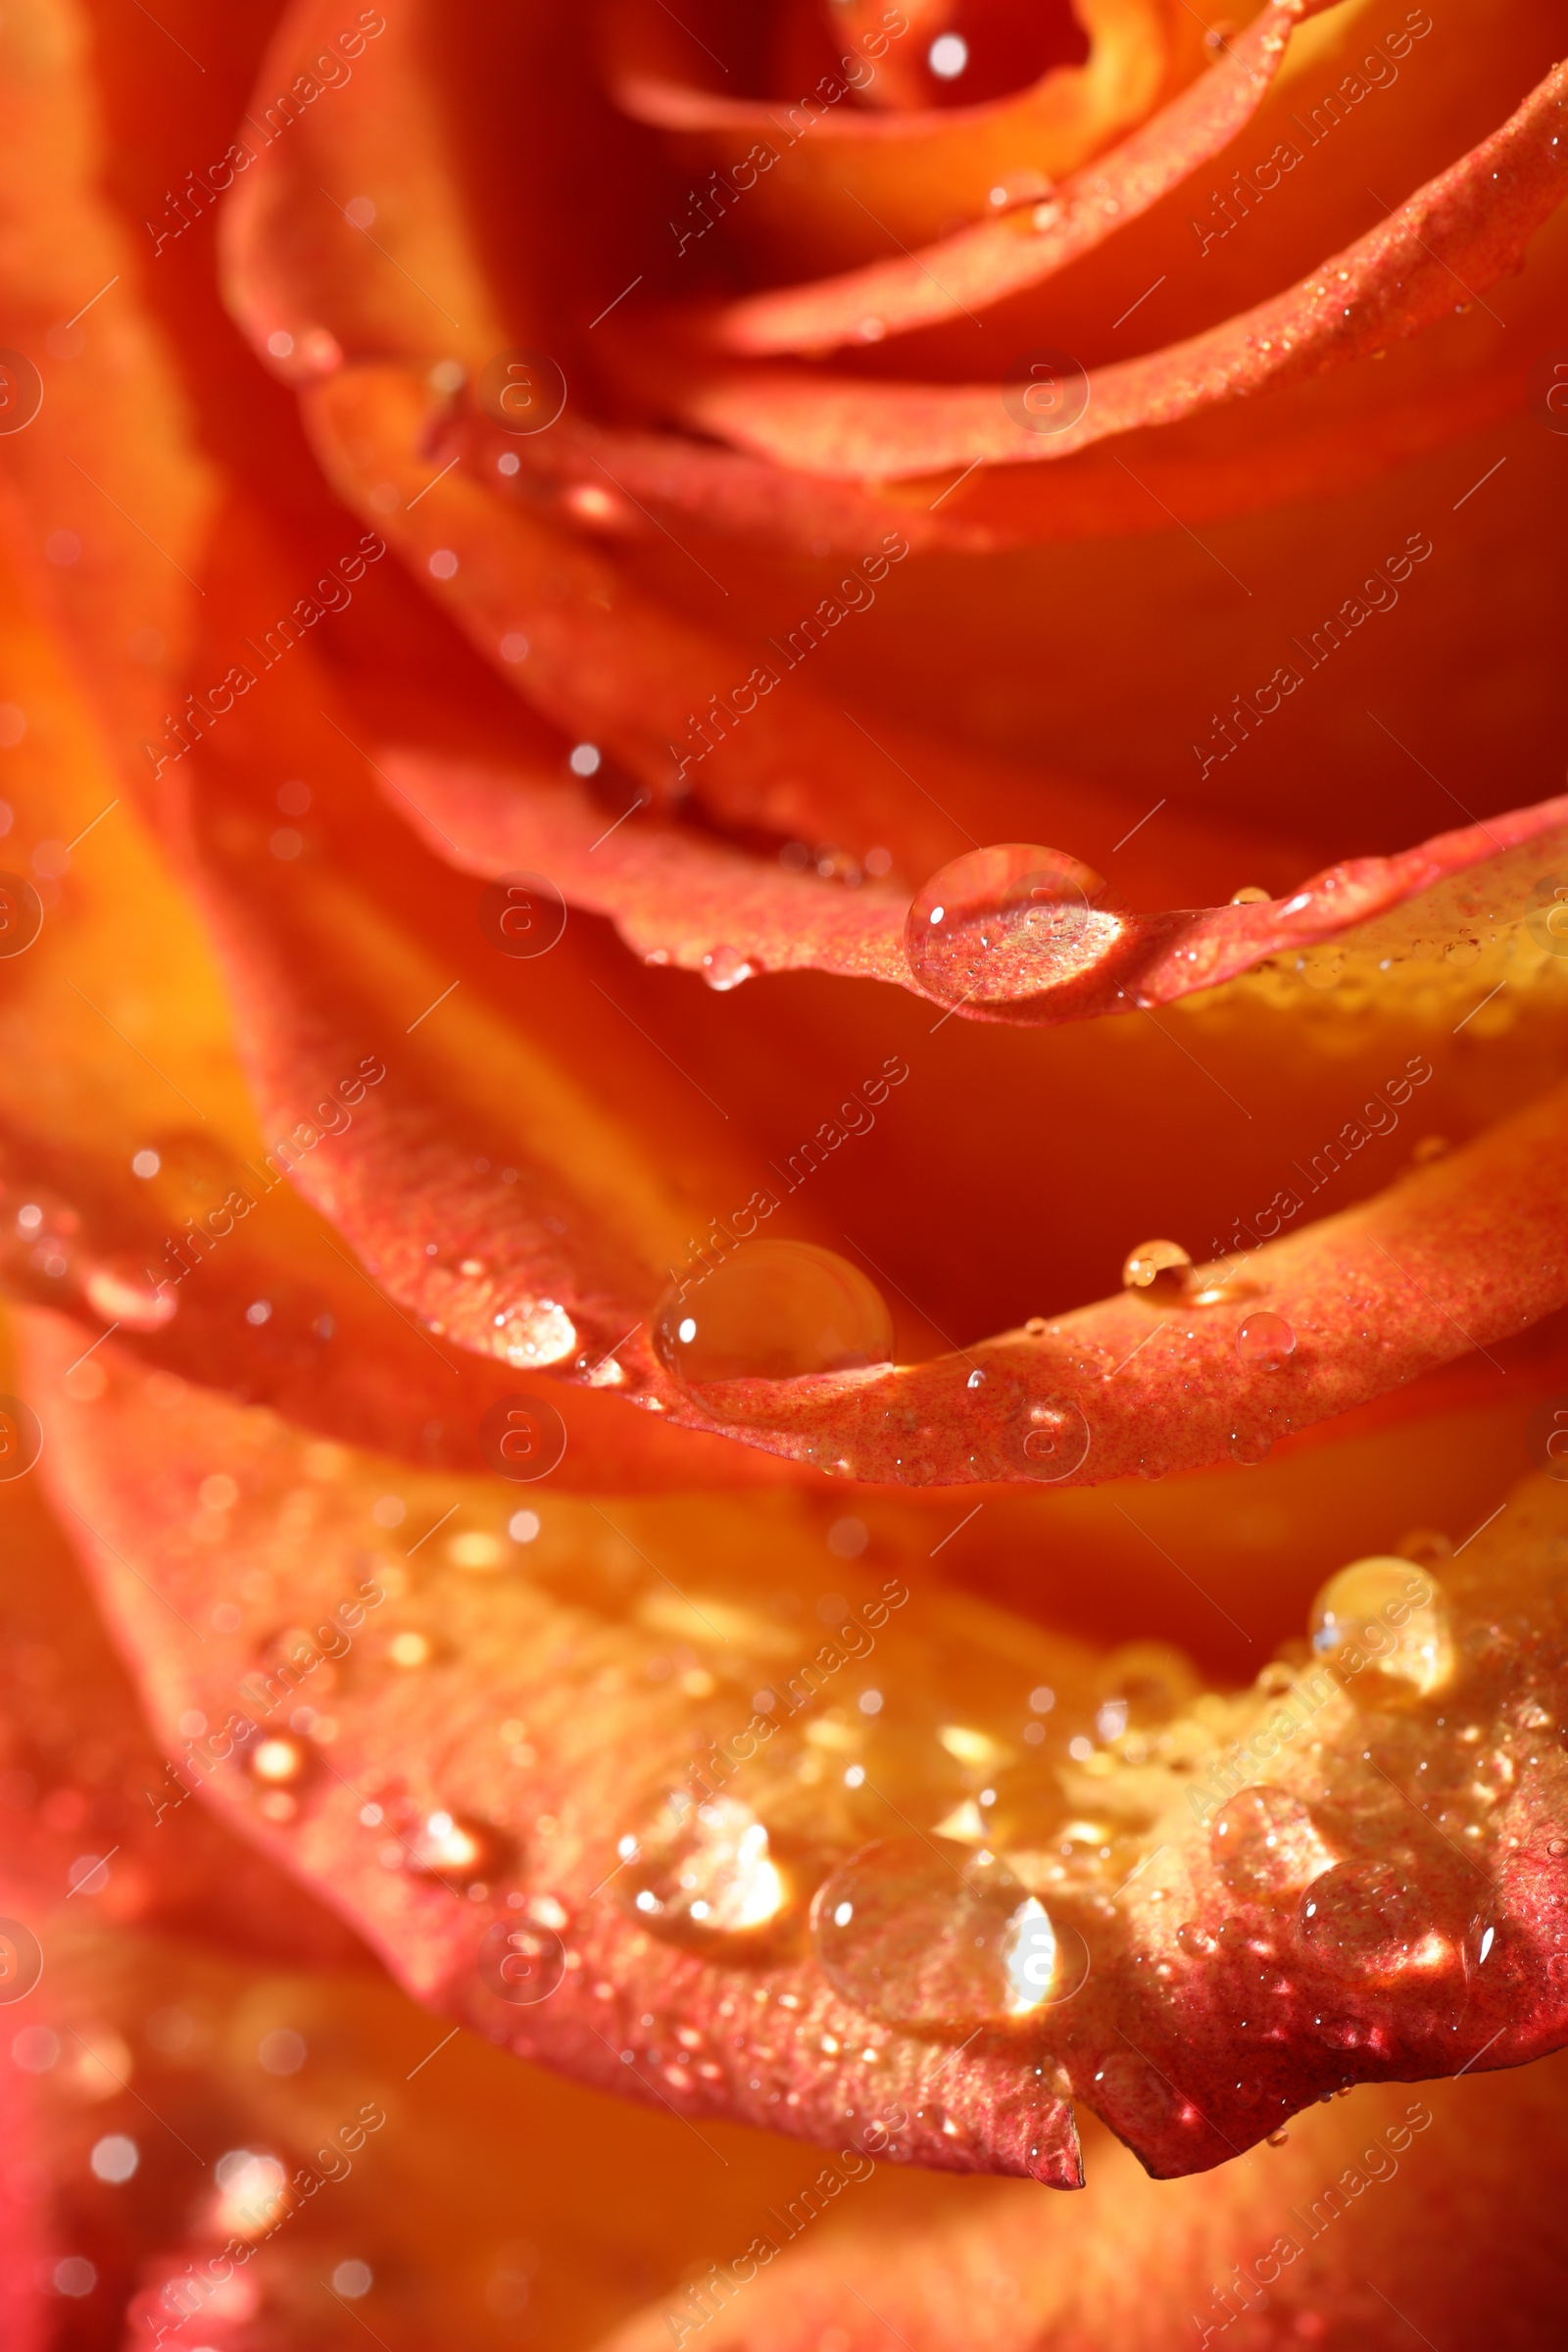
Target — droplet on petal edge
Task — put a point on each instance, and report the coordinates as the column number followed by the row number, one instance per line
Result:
column 772, row 1310
column 1005, row 926
column 1160, row 1271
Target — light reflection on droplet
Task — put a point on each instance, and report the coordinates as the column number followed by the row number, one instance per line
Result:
column 1160, row 1271
column 1384, row 1621
column 773, row 1311
column 707, row 1872
column 1265, row 1340
column 1007, row 925
column 920, row 1938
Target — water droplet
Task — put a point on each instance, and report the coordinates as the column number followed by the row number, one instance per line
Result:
column 1383, row 1621
column 278, row 1761
column 1054, row 1439
column 537, row 1334
column 121, row 1294
column 1265, row 1340
column 725, row 968
column 1263, row 1843
column 707, row 1874
column 1363, row 1919
column 1277, row 2140
column 921, row 1939
column 457, row 1847
column 1250, row 895
column 1196, row 1940
column 1250, row 1445
column 773, row 1311
column 1007, row 925
column 1429, row 1148
column 1160, row 1271
column 521, row 1963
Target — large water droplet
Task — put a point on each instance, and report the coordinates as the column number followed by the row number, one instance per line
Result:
column 921, row 1939
column 1265, row 1842
column 1364, row 1919
column 1007, row 925
column 1383, row 1623
column 1160, row 1271
column 707, row 1874
column 773, row 1311
column 1266, row 1341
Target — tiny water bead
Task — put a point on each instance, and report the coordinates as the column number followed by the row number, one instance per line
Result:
column 706, row 1874
column 773, row 1311
column 921, row 1938
column 1265, row 1843
column 1159, row 1271
column 1385, row 1625
column 1005, row 926
column 1265, row 1340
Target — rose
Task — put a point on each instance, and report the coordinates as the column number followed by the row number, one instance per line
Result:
column 523, row 1189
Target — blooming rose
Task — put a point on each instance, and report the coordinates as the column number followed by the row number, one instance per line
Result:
column 692, row 1530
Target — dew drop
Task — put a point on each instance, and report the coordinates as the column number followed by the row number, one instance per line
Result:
column 1007, row 925
column 1249, row 1445
column 1383, row 1621
column 1250, row 895
column 458, row 1848
column 919, row 1939
column 1265, row 1843
column 706, row 1874
column 121, row 1294
column 521, row 1964
column 773, row 1311
column 1266, row 1341
column 724, row 968
column 1363, row 1919
column 1160, row 1271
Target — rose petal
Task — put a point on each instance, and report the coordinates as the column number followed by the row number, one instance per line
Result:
column 1363, row 2228
column 678, row 897
column 1026, row 246
column 1472, row 223
column 1339, row 1756
column 914, row 167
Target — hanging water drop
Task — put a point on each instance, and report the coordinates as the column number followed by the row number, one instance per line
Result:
column 922, row 1940
column 1008, row 925
column 724, row 968
column 773, row 1311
